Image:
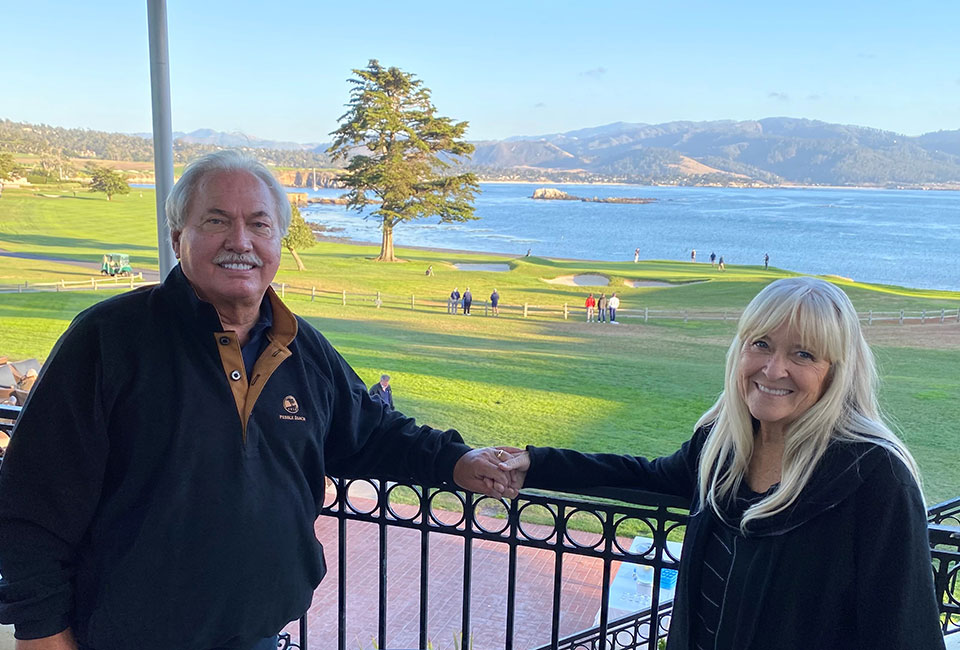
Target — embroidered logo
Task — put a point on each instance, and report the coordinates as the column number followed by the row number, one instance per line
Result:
column 290, row 404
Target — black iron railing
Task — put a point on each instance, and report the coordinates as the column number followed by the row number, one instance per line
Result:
column 556, row 527
column 944, row 529
column 596, row 526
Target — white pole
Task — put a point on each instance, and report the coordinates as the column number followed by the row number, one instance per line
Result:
column 162, row 128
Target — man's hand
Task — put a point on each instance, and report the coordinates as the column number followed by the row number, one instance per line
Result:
column 478, row 471
column 62, row 641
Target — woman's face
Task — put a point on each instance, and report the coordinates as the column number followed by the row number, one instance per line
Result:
column 780, row 379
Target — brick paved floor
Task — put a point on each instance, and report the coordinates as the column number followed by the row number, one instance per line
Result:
column 580, row 592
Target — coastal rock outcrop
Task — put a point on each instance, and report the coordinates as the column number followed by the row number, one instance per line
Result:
column 553, row 194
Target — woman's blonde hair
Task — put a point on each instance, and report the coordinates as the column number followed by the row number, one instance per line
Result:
column 823, row 317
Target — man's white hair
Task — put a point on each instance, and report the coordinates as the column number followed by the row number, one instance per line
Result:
column 226, row 160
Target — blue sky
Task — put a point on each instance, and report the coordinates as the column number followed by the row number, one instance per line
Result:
column 278, row 69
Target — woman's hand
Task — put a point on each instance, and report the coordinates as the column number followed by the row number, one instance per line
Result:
column 515, row 466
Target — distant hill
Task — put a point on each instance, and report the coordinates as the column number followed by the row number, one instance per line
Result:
column 771, row 151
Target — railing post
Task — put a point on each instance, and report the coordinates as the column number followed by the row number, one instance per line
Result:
column 685, row 315
column 379, row 301
column 943, row 312
column 344, row 299
column 565, row 311
column 923, row 316
column 901, row 317
column 283, row 289
column 93, row 281
column 524, row 310
column 413, row 301
column 484, row 307
column 131, row 281
column 870, row 318
column 313, row 293
column 646, row 314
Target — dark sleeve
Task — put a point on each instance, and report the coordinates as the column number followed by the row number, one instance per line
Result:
column 565, row 469
column 370, row 439
column 896, row 602
column 50, row 485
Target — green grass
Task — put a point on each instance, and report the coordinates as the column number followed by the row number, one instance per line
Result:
column 630, row 389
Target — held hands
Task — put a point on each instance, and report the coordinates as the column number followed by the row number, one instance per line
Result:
column 493, row 471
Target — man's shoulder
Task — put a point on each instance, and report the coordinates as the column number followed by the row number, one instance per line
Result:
column 118, row 310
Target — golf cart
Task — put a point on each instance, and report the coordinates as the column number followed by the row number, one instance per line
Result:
column 116, row 264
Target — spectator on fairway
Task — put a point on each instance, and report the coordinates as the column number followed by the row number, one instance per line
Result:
column 766, row 260
column 602, row 308
column 495, row 302
column 612, row 306
column 429, row 271
column 807, row 525
column 382, row 391
column 454, row 305
column 160, row 489
column 590, row 304
column 636, row 255
column 467, row 301
column 713, row 259
column 693, row 254
column 720, row 265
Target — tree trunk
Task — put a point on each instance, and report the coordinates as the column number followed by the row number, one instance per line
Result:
column 296, row 258
column 386, row 245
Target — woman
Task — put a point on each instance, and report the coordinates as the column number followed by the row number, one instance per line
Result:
column 808, row 526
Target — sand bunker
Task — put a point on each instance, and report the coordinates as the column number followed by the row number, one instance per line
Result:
column 585, row 280
column 657, row 283
column 646, row 283
column 482, row 267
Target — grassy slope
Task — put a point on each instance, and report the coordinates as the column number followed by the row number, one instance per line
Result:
column 634, row 388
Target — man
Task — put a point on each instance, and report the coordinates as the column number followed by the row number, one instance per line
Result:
column 495, row 302
column 454, row 300
column 766, row 261
column 382, row 391
column 612, row 306
column 161, row 486
column 601, row 308
column 590, row 304
column 467, row 301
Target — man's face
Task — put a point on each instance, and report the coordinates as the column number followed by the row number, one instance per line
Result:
column 384, row 382
column 229, row 247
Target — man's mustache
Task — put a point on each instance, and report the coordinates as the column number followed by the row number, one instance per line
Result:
column 238, row 258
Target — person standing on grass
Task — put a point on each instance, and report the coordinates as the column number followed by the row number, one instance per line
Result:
column 713, row 259
column 612, row 306
column 455, row 300
column 590, row 304
column 766, row 260
column 693, row 254
column 467, row 301
column 602, row 308
column 160, row 490
column 720, row 265
column 495, row 302
column 636, row 255
column 382, row 391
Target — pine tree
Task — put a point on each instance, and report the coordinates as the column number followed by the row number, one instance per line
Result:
column 299, row 236
column 399, row 151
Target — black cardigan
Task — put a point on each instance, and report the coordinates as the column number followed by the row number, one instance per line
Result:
column 847, row 567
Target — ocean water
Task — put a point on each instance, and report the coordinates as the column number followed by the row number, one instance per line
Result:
column 900, row 237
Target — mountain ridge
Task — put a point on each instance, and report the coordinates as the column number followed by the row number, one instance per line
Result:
column 768, row 151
